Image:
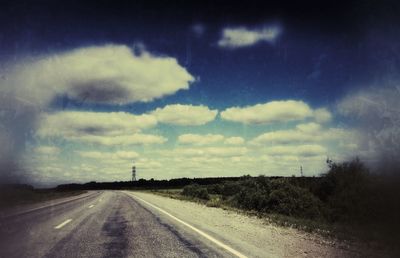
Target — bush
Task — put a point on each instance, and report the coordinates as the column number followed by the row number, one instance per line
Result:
column 230, row 188
column 214, row 189
column 294, row 201
column 347, row 191
column 278, row 196
column 196, row 191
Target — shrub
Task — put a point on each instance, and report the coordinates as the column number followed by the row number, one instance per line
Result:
column 196, row 191
column 215, row 189
column 230, row 188
column 277, row 196
column 294, row 201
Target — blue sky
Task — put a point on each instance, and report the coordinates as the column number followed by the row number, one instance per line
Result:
column 208, row 89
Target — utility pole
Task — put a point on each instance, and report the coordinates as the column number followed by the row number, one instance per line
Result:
column 301, row 171
column 133, row 172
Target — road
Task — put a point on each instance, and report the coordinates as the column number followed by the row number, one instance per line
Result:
column 105, row 224
column 138, row 224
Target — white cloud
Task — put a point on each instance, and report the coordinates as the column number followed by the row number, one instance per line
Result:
column 308, row 127
column 243, row 37
column 282, row 137
column 199, row 139
column 134, row 139
column 297, row 150
column 119, row 155
column 79, row 123
column 270, row 112
column 276, row 111
column 207, row 152
column 305, row 133
column 114, row 128
column 234, row 141
column 322, row 115
column 178, row 114
column 47, row 150
column 111, row 74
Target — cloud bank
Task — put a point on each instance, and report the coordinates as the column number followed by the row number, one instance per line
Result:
column 110, row 74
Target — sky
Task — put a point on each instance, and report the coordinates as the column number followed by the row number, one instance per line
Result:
column 199, row 89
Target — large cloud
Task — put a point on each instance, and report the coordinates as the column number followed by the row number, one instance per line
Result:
column 134, row 139
column 77, row 123
column 114, row 128
column 243, row 37
column 199, row 139
column 111, row 74
column 184, row 114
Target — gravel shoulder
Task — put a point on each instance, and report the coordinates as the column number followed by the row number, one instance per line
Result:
column 253, row 236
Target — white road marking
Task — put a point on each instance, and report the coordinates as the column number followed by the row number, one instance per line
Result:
column 63, row 224
column 91, row 206
column 212, row 239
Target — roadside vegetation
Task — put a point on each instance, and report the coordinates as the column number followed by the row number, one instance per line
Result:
column 348, row 201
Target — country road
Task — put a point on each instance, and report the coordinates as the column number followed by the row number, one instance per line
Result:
column 102, row 224
column 126, row 224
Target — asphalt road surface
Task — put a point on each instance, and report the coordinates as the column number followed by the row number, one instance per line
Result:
column 104, row 224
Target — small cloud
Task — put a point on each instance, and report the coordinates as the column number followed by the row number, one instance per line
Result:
column 299, row 150
column 322, row 115
column 244, row 37
column 130, row 139
column 198, row 139
column 198, row 29
column 184, row 114
column 309, row 127
column 234, row 141
column 47, row 150
column 270, row 112
column 304, row 133
column 119, row 155
column 207, row 152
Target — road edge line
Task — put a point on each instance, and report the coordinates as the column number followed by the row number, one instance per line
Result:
column 212, row 239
